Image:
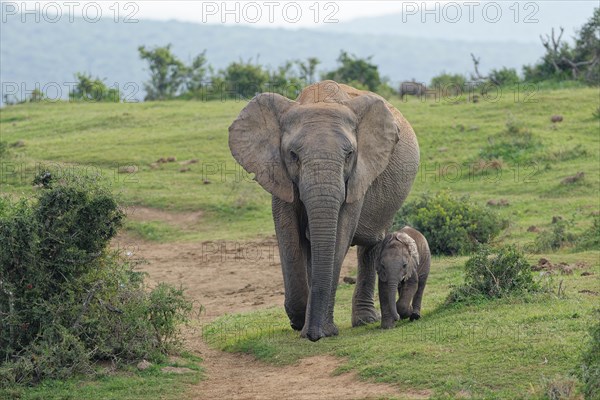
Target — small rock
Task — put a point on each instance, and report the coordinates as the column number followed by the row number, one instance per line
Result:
column 185, row 169
column 18, row 143
column 171, row 159
column 161, row 160
column 144, row 365
column 586, row 273
column 206, row 181
column 573, row 178
column 350, row 280
column 533, row 228
column 556, row 218
column 177, row 370
column 556, row 118
column 154, row 165
column 565, row 269
column 498, row 203
column 129, row 169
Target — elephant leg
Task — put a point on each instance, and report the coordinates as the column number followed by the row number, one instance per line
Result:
column 347, row 222
column 294, row 252
column 416, row 302
column 406, row 292
column 363, row 304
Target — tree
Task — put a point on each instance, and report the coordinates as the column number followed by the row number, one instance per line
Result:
column 355, row 70
column 244, row 78
column 196, row 73
column 89, row 89
column 563, row 61
column 308, row 69
column 167, row 72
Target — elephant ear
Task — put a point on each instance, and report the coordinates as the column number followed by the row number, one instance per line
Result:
column 255, row 139
column 413, row 251
column 377, row 134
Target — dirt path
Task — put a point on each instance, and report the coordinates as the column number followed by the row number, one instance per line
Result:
column 232, row 277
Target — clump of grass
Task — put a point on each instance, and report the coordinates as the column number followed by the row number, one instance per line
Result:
column 452, row 225
column 590, row 361
column 560, row 388
column 577, row 151
column 490, row 275
column 516, row 144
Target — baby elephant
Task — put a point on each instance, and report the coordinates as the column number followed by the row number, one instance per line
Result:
column 403, row 265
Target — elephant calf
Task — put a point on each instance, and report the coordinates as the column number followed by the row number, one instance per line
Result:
column 403, row 265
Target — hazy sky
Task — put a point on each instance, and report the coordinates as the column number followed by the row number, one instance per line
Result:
column 264, row 13
column 300, row 13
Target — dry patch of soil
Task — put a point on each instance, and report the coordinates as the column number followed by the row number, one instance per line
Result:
column 231, row 277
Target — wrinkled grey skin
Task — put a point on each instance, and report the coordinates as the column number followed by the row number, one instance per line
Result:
column 332, row 159
column 403, row 267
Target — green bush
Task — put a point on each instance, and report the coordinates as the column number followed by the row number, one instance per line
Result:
column 504, row 76
column 449, row 84
column 555, row 238
column 491, row 276
column 515, row 144
column 66, row 299
column 590, row 238
column 451, row 225
column 590, row 362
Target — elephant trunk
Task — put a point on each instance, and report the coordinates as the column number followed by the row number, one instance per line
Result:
column 322, row 195
column 392, row 289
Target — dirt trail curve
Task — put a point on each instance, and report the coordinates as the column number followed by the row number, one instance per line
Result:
column 229, row 277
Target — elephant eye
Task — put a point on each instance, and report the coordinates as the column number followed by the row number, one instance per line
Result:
column 293, row 156
column 349, row 155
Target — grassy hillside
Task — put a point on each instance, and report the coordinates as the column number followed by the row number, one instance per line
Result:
column 103, row 138
column 503, row 349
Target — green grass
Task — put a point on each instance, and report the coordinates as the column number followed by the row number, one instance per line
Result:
column 501, row 349
column 493, row 349
column 127, row 384
column 98, row 138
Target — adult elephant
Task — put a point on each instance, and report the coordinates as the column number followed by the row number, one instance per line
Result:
column 339, row 163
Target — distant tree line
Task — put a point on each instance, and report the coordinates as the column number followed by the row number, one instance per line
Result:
column 171, row 78
column 562, row 62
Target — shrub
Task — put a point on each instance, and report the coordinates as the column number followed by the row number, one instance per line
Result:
column 493, row 276
column 590, row 238
column 67, row 299
column 590, row 361
column 94, row 90
column 555, row 238
column 515, row 144
column 504, row 76
column 449, row 84
column 451, row 225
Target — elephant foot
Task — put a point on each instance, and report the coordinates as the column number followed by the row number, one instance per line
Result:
column 414, row 316
column 330, row 329
column 314, row 334
column 365, row 316
column 297, row 322
column 388, row 323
